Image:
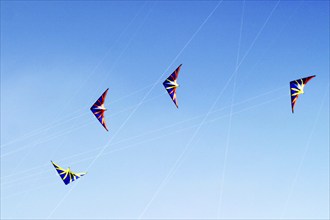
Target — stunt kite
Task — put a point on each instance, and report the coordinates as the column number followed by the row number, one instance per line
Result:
column 297, row 88
column 98, row 109
column 170, row 85
column 67, row 175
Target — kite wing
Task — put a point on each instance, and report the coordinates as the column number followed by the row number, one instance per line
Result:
column 170, row 85
column 67, row 175
column 297, row 88
column 98, row 109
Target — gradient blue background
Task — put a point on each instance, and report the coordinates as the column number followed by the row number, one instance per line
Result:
column 252, row 158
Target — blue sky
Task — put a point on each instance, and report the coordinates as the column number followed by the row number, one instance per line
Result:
column 233, row 149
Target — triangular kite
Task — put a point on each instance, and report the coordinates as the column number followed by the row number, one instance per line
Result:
column 297, row 88
column 98, row 109
column 170, row 85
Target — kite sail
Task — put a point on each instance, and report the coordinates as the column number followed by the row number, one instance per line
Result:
column 297, row 88
column 98, row 109
column 170, row 85
column 67, row 175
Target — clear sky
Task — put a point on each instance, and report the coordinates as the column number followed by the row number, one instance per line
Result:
column 232, row 150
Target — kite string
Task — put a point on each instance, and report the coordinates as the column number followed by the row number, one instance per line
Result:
column 153, row 130
column 67, row 131
column 307, row 146
column 226, row 151
column 177, row 162
column 41, row 129
column 126, row 47
column 149, row 140
column 149, row 132
column 247, row 100
column 231, row 111
column 67, row 120
column 228, row 135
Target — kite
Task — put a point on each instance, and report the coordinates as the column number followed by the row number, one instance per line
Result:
column 67, row 175
column 297, row 88
column 170, row 85
column 98, row 109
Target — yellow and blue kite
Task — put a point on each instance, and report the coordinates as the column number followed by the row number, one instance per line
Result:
column 67, row 175
column 297, row 88
column 98, row 109
column 170, row 85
